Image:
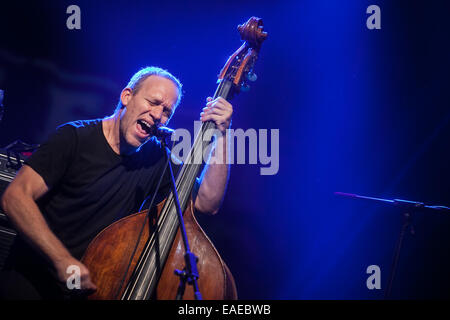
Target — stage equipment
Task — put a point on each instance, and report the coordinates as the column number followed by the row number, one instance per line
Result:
column 408, row 208
column 9, row 165
column 2, row 109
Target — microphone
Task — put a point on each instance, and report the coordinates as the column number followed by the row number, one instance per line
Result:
column 163, row 132
column 400, row 203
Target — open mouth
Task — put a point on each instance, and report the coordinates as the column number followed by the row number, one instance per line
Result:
column 145, row 127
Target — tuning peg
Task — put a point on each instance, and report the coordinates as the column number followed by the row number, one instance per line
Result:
column 245, row 88
column 252, row 76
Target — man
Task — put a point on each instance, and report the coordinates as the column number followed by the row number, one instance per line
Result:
column 91, row 173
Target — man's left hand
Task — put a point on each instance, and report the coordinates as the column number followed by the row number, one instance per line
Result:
column 218, row 110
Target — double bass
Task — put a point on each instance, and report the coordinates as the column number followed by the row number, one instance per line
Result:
column 135, row 257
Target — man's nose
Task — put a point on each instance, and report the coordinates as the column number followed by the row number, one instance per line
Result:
column 156, row 114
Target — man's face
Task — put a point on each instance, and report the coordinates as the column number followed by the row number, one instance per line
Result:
column 151, row 106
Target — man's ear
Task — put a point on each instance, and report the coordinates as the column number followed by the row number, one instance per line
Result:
column 125, row 96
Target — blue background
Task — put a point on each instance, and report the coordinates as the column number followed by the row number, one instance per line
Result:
column 360, row 111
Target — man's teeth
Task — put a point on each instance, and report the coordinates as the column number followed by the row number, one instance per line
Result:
column 146, row 123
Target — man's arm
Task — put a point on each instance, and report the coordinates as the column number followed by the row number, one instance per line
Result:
column 19, row 204
column 215, row 175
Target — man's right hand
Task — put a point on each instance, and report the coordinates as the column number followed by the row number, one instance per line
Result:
column 19, row 203
column 64, row 272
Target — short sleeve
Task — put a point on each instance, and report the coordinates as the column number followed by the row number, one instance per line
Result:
column 52, row 159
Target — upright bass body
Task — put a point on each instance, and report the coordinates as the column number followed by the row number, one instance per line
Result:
column 109, row 254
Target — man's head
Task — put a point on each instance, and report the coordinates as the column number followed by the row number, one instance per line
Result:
column 148, row 101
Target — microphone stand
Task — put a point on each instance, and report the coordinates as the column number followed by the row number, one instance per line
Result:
column 190, row 272
column 408, row 208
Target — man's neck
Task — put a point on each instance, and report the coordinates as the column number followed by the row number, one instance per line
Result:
column 111, row 131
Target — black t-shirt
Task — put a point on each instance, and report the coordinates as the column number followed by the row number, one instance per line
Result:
column 90, row 185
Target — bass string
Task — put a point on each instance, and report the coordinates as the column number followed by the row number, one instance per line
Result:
column 142, row 229
column 144, row 264
column 169, row 227
column 135, row 277
column 186, row 178
column 166, row 230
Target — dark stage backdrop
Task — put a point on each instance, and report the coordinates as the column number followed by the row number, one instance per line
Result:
column 358, row 110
